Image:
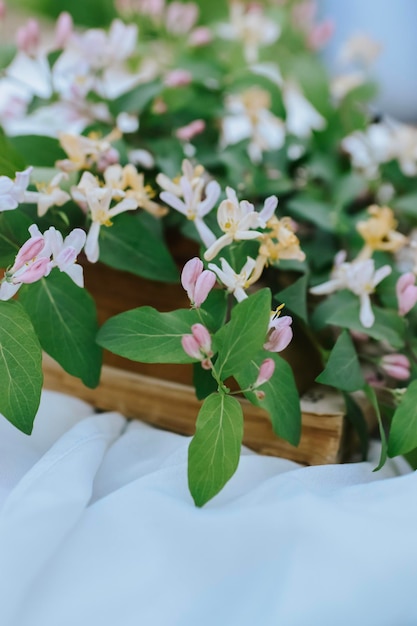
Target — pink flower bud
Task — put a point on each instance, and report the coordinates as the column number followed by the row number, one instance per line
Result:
column 266, row 371
column 205, row 283
column 35, row 271
column 320, row 34
column 279, row 335
column 63, row 30
column 200, row 36
column 191, row 346
column 406, row 293
column 28, row 37
column 196, row 282
column 260, row 394
column 188, row 132
column 396, row 365
column 203, row 338
column 3, row 10
column 30, row 249
column 178, row 78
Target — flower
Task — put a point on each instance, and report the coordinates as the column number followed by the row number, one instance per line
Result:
column 197, row 281
column 127, row 182
column 198, row 345
column 193, row 206
column 48, row 195
column 238, row 220
column 396, row 365
column 302, row 118
column 379, row 232
column 65, row 251
column 406, row 291
column 236, row 283
column 31, row 264
column 279, row 333
column 12, row 192
column 83, row 152
column 266, row 371
column 99, row 201
column 361, row 278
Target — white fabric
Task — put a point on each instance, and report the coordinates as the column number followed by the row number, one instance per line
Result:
column 97, row 527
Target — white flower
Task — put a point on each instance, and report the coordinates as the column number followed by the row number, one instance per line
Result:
column 248, row 117
column 65, row 251
column 361, row 278
column 193, row 207
column 48, row 195
column 99, row 201
column 235, row 283
column 238, row 220
column 12, row 192
column 370, row 148
column 302, row 118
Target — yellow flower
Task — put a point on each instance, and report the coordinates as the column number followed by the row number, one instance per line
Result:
column 379, row 232
column 281, row 242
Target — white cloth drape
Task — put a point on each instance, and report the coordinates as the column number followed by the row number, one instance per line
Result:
column 97, row 527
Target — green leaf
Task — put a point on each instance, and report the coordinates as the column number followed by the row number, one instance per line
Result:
column 244, row 335
column 343, row 370
column 148, row 336
column 131, row 246
column 356, row 417
column 38, row 150
column 371, row 395
column 136, row 100
column 216, row 307
column 13, row 233
column 403, row 432
column 295, row 297
column 319, row 213
column 203, row 381
column 10, row 161
column 407, row 204
column 64, row 317
column 213, row 455
column 20, row 367
column 281, row 400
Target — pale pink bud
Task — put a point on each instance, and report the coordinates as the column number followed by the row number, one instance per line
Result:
column 266, row 371
column 181, row 17
column 3, row 10
column 406, row 293
column 320, row 34
column 63, row 30
column 191, row 346
column 188, row 132
column 38, row 269
column 196, row 282
column 205, row 283
column 260, row 394
column 200, row 36
column 396, row 365
column 178, row 78
column 279, row 335
column 203, row 338
column 28, row 37
column 30, row 249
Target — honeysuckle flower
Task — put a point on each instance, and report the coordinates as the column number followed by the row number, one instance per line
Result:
column 369, row 148
column 200, row 36
column 342, row 84
column 198, row 345
column 361, row 278
column 396, row 365
column 193, row 206
column 265, row 373
column 84, row 152
column 301, row 117
column 133, row 185
column 197, row 281
column 48, row 194
column 178, row 78
column 65, row 251
column 279, row 333
column 194, row 175
column 64, row 29
column 250, row 25
column 180, row 17
column 361, row 49
column 280, row 241
column 238, row 220
column 127, row 123
column 406, row 291
column 191, row 130
column 12, row 192
column 28, row 37
column 31, row 264
column 235, row 283
column 248, row 116
column 99, row 201
column 379, row 232
column 404, row 147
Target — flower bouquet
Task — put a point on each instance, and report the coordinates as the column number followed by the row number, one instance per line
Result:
column 222, row 130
